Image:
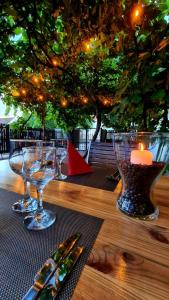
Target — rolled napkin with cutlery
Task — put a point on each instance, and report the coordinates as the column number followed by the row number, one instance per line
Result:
column 50, row 266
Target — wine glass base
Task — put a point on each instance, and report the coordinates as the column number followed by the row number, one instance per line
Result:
column 40, row 221
column 61, row 177
column 25, row 206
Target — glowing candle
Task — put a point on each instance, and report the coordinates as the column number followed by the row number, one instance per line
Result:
column 142, row 157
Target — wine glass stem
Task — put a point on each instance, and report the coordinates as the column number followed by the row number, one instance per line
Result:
column 26, row 189
column 59, row 168
column 40, row 204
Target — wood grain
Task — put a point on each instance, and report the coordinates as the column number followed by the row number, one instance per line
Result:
column 130, row 258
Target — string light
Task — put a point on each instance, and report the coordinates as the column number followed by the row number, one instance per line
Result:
column 23, row 92
column 105, row 102
column 55, row 62
column 64, row 102
column 88, row 46
column 137, row 14
column 35, row 79
column 40, row 97
column 91, row 43
column 84, row 99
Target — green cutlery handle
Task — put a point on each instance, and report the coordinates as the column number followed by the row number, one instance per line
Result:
column 54, row 285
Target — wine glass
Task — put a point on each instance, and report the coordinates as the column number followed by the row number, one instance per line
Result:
column 26, row 204
column 60, row 156
column 40, row 168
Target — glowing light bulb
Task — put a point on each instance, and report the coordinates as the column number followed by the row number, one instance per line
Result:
column 54, row 62
column 137, row 13
column 23, row 92
column 35, row 79
column 87, row 46
column 64, row 102
column 84, row 99
column 40, row 97
column 105, row 102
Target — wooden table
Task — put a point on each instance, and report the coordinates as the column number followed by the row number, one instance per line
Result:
column 130, row 258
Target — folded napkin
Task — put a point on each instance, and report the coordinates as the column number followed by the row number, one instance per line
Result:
column 75, row 162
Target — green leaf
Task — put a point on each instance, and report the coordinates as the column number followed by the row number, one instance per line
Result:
column 11, row 21
column 56, row 48
column 136, row 98
column 158, row 94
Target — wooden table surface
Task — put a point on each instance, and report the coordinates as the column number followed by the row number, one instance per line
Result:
column 130, row 258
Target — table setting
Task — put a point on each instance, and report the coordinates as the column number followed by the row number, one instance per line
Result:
column 32, row 254
column 45, row 232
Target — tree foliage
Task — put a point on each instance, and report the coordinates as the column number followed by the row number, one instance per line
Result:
column 104, row 58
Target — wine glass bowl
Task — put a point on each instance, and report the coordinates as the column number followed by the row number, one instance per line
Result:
column 39, row 168
column 26, row 204
column 60, row 156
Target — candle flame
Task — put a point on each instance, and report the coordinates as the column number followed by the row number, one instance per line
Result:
column 141, row 146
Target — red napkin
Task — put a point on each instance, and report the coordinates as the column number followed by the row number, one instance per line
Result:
column 75, row 162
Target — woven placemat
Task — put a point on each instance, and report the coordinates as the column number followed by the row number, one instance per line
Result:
column 23, row 252
column 97, row 179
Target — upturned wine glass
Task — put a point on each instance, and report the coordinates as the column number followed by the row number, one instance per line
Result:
column 40, row 168
column 60, row 156
column 27, row 203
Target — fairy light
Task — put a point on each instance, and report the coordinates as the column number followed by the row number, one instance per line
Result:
column 64, row 102
column 91, row 43
column 23, row 92
column 84, row 99
column 55, row 62
column 137, row 14
column 88, row 46
column 35, row 79
column 105, row 102
column 40, row 97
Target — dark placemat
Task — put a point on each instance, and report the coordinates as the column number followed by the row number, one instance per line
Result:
column 23, row 252
column 97, row 179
